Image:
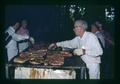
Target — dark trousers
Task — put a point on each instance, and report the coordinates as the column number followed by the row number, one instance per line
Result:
column 107, row 64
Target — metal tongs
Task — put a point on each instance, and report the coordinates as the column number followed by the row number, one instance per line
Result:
column 68, row 49
column 55, row 49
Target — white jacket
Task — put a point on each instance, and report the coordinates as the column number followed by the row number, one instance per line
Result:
column 12, row 45
column 91, row 44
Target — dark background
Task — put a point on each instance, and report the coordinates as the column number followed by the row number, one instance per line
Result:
column 45, row 22
column 52, row 22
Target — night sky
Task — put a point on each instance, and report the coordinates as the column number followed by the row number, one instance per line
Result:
column 46, row 22
column 43, row 20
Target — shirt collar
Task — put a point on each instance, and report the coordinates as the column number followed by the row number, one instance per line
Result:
column 83, row 35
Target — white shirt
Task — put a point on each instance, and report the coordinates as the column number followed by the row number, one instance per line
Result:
column 91, row 44
column 24, row 45
column 12, row 45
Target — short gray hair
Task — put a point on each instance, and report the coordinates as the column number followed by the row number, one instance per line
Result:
column 83, row 23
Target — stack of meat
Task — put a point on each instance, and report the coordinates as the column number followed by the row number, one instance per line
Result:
column 37, row 57
column 57, row 57
column 39, row 54
column 22, row 58
column 34, row 57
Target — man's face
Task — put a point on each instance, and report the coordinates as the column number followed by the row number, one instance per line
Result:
column 24, row 24
column 93, row 29
column 78, row 29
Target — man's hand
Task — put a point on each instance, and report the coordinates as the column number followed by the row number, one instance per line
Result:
column 32, row 40
column 52, row 46
column 79, row 52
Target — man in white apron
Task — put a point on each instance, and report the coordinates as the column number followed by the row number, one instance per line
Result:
column 87, row 46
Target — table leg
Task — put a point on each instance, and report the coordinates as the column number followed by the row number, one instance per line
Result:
column 84, row 73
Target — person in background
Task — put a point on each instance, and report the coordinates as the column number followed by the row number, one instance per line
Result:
column 24, row 45
column 11, row 39
column 108, row 56
column 23, row 28
column 96, row 30
column 86, row 46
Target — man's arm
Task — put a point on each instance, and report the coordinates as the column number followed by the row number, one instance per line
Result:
column 64, row 44
column 69, row 43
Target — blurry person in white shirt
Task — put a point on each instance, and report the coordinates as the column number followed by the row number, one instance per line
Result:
column 11, row 45
column 87, row 47
column 96, row 30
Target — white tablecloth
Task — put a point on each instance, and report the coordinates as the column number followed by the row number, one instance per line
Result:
column 39, row 73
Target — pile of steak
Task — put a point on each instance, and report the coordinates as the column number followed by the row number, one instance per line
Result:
column 41, row 55
column 57, row 57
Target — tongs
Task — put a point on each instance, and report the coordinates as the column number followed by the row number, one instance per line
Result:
column 55, row 49
column 68, row 49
